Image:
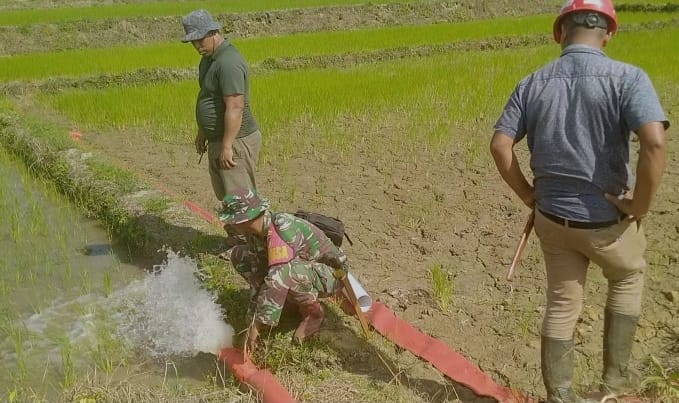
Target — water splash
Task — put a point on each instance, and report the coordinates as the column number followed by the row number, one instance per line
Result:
column 169, row 314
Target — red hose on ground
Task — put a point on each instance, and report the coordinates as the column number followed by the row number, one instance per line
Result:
column 259, row 380
column 206, row 215
column 449, row 362
column 446, row 360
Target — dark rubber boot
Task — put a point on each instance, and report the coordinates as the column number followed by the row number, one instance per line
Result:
column 557, row 358
column 619, row 333
column 312, row 318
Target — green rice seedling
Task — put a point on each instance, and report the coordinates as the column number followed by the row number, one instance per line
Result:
column 68, row 271
column 16, row 226
column 662, row 384
column 4, row 291
column 38, row 223
column 85, row 282
column 67, row 366
column 109, row 352
column 19, row 278
column 17, row 334
column 442, row 287
column 107, row 284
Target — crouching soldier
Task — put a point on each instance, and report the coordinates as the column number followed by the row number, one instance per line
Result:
column 285, row 259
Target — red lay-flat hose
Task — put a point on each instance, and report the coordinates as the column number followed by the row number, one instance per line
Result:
column 260, row 381
column 450, row 363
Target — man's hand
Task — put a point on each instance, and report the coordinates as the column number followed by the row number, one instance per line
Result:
column 650, row 167
column 252, row 338
column 226, row 157
column 200, row 142
column 627, row 206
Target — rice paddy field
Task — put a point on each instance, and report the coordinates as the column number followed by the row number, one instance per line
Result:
column 379, row 113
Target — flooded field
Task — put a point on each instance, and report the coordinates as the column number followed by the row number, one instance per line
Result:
column 71, row 308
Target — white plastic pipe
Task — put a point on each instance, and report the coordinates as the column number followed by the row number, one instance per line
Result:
column 364, row 300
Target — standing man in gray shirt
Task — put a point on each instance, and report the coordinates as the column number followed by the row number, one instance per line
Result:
column 227, row 130
column 577, row 114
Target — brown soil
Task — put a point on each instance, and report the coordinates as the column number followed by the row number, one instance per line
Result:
column 409, row 208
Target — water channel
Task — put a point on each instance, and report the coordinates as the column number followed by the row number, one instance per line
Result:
column 72, row 306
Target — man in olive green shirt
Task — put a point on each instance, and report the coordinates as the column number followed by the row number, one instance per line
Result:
column 227, row 130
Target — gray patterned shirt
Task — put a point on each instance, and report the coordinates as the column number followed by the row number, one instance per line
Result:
column 577, row 114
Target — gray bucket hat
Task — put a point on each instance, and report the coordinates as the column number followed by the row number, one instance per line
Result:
column 197, row 24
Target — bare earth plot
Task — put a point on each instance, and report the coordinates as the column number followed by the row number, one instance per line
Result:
column 412, row 204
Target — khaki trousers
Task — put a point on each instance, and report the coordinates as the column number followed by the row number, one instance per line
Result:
column 245, row 155
column 618, row 250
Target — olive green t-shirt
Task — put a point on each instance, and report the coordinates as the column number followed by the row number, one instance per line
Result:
column 224, row 73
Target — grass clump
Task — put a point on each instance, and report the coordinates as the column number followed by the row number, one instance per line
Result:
column 661, row 384
column 442, row 287
column 156, row 205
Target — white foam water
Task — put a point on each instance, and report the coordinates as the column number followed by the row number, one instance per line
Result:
column 169, row 314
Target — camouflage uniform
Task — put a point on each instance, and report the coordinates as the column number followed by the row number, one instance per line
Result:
column 294, row 261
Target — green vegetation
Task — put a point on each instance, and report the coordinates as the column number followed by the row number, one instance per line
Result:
column 164, row 111
column 442, row 286
column 74, row 63
column 285, row 99
column 661, row 384
column 158, row 9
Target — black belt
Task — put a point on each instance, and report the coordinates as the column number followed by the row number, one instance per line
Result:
column 580, row 224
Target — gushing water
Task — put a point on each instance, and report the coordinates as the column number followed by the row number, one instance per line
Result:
column 171, row 315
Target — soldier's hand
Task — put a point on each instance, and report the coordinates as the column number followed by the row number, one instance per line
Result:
column 252, row 338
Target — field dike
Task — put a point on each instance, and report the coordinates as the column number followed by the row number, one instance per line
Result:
column 86, row 34
column 128, row 209
column 341, row 60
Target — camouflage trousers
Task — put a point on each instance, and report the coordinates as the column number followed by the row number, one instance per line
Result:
column 299, row 282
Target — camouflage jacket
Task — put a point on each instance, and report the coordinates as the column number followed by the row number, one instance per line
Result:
column 288, row 238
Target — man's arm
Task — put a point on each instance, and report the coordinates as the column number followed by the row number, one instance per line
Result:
column 233, row 117
column 502, row 149
column 650, row 167
column 269, row 303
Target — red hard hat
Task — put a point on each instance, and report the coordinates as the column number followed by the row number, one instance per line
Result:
column 604, row 7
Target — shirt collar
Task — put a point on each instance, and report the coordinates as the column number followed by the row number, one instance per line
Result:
column 580, row 48
column 221, row 48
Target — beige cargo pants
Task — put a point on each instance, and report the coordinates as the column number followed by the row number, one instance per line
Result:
column 618, row 250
